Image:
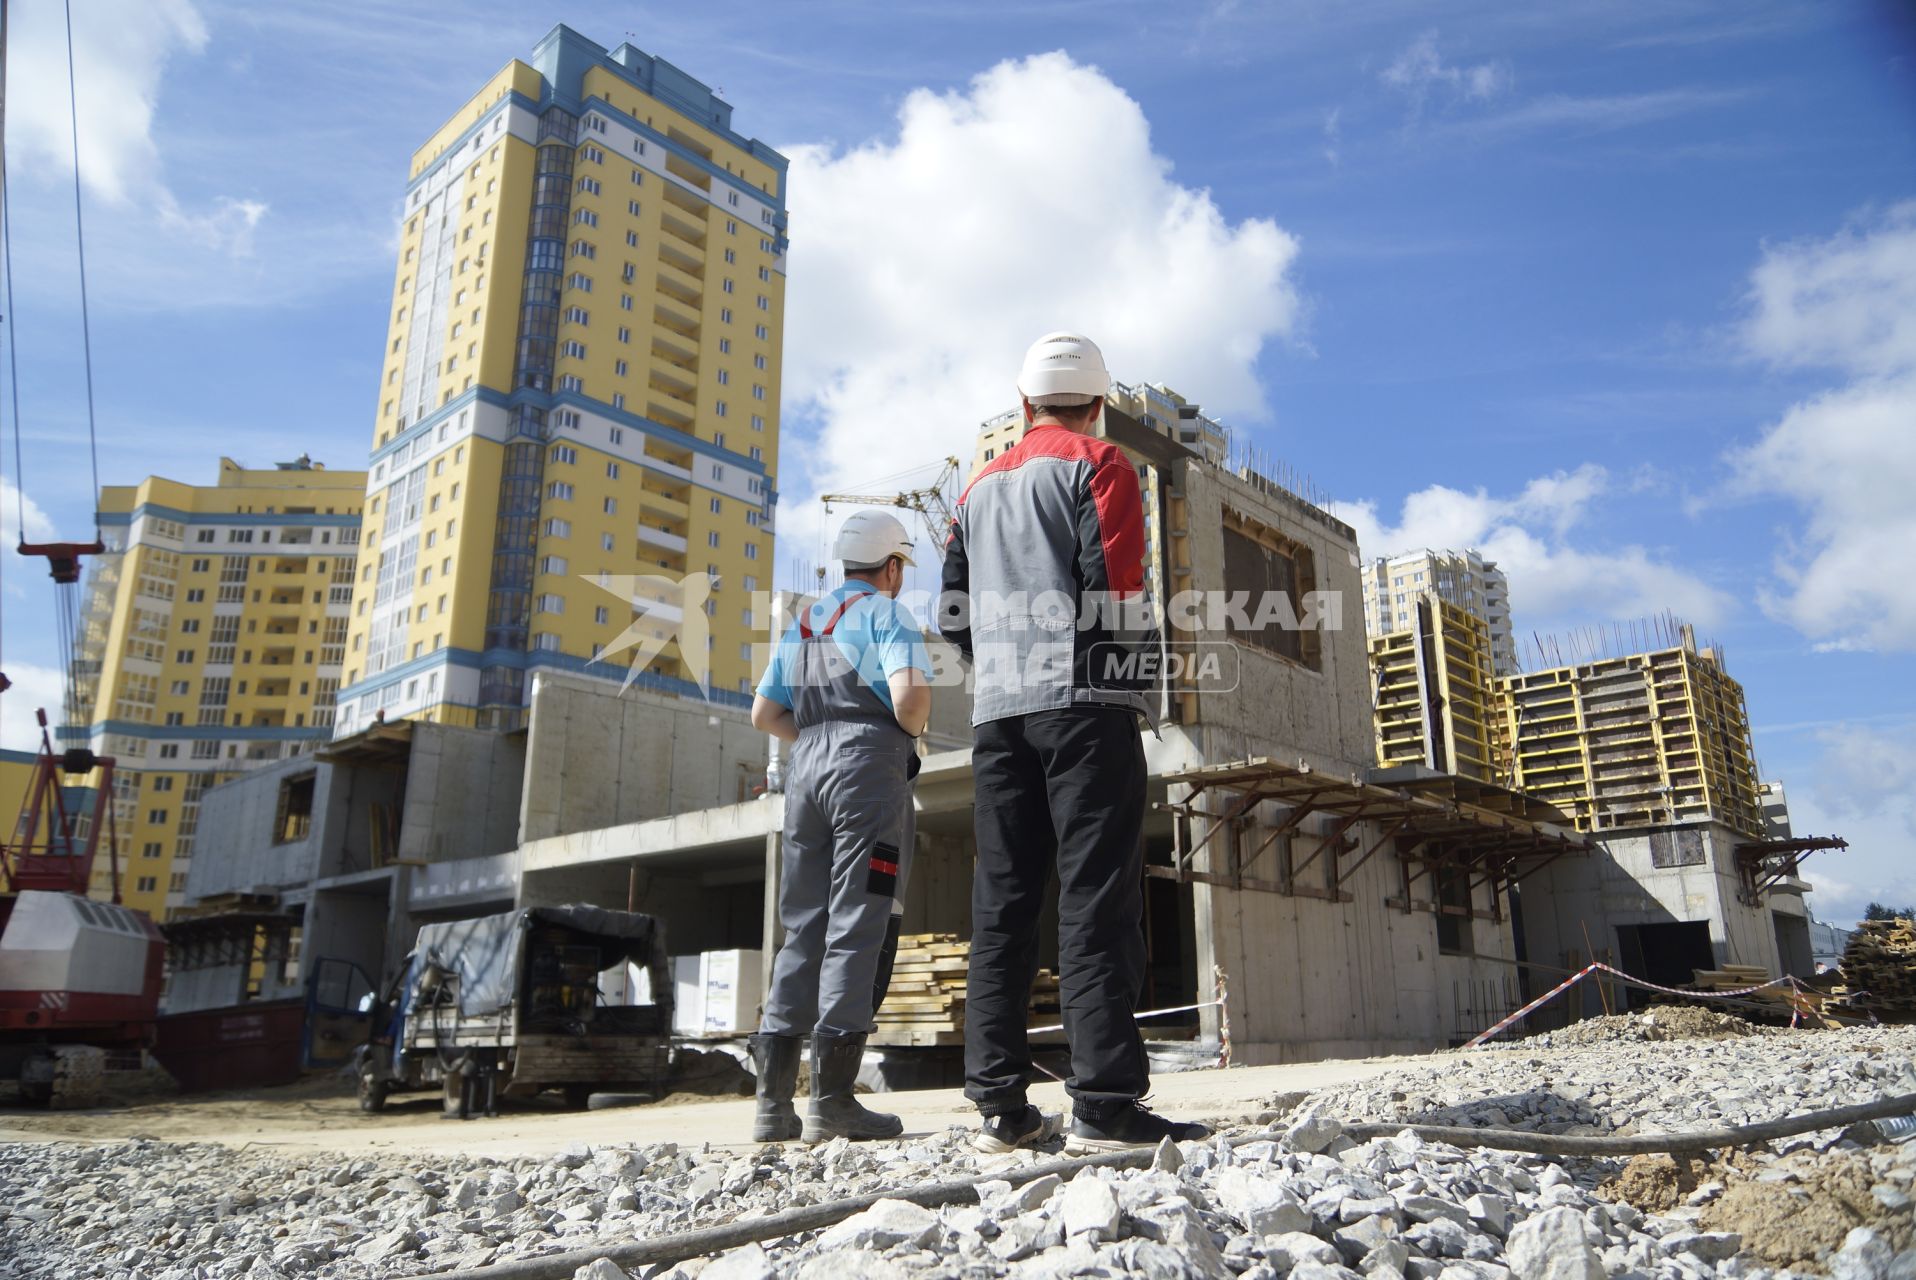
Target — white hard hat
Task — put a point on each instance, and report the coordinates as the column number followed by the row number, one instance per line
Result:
column 869, row 538
column 1063, row 369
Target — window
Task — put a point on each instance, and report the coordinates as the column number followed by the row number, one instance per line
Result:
column 712, row 538
column 550, row 604
column 717, row 505
column 620, row 368
column 552, row 564
column 571, row 383
column 564, row 453
column 584, row 249
column 724, row 378
column 638, row 175
column 557, row 528
column 593, row 154
column 725, row 315
column 606, row 542
column 611, row 506
column 761, row 332
column 589, row 185
column 586, row 218
column 1277, row 572
column 751, row 551
column 579, row 280
column 725, row 286
column 560, row 490
column 720, row 408
column 725, row 346
column 758, row 361
column 764, row 303
column 574, row 348
column 156, row 817
column 625, row 334
column 612, row 470
column 294, row 820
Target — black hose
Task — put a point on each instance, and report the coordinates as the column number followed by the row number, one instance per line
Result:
column 815, row 1217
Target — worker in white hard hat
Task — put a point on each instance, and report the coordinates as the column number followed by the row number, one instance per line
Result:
column 848, row 686
column 1057, row 757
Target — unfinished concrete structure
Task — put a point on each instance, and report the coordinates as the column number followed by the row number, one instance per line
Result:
column 1390, row 930
column 340, row 855
column 1434, row 690
column 1394, row 584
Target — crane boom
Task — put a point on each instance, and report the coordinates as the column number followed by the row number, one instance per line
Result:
column 932, row 503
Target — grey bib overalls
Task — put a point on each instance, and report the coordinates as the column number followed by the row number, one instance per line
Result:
column 848, row 841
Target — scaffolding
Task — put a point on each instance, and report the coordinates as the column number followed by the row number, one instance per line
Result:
column 1643, row 740
column 1435, row 693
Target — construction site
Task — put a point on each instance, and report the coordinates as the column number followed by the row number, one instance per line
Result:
column 392, row 900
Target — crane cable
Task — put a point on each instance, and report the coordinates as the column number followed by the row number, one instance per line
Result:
column 79, row 233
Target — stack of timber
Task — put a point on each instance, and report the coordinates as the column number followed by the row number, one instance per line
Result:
column 1806, row 1004
column 1879, row 969
column 925, row 1003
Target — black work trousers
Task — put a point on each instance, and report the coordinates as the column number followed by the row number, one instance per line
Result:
column 1064, row 787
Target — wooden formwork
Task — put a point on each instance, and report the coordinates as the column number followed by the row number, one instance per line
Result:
column 1435, row 696
column 1649, row 739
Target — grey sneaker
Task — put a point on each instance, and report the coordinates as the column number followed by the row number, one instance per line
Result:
column 1027, row 1127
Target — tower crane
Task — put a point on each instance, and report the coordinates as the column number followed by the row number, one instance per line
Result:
column 933, row 503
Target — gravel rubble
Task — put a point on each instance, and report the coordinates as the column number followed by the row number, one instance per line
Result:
column 1300, row 1199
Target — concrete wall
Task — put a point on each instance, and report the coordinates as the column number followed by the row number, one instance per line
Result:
column 599, row 759
column 1281, row 708
column 233, row 849
column 1620, row 885
column 462, row 793
column 1311, row 978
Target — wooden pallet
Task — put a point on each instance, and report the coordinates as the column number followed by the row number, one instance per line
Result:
column 1879, row 970
column 925, row 1003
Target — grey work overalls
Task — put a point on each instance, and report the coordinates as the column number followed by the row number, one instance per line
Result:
column 848, row 841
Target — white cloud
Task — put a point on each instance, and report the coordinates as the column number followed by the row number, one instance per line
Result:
column 38, row 527
column 1847, row 456
column 1552, row 582
column 1863, row 788
column 1420, row 70
column 924, row 263
column 34, row 688
column 121, row 51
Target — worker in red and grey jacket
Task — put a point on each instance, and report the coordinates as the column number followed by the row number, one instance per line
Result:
column 1044, row 560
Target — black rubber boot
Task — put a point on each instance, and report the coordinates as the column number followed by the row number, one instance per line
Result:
column 887, row 957
column 835, row 1112
column 776, row 1058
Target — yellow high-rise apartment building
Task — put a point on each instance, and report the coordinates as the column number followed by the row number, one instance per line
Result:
column 212, row 638
column 580, row 383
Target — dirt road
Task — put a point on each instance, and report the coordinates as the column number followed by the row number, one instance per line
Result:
column 322, row 1115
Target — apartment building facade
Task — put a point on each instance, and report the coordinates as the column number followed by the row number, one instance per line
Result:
column 212, row 639
column 1392, row 585
column 578, row 404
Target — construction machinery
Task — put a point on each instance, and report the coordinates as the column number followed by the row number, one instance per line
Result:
column 79, row 979
column 509, row 1005
column 933, row 503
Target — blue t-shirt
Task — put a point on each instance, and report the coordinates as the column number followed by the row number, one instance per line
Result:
column 876, row 635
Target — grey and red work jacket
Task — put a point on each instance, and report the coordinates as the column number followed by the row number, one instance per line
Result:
column 1044, row 578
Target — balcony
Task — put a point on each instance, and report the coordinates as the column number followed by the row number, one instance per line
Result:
column 659, row 503
column 691, row 233
column 692, row 203
column 679, row 287
column 675, row 320
column 672, row 351
column 662, row 538
column 661, row 409
column 676, row 378
column 689, row 260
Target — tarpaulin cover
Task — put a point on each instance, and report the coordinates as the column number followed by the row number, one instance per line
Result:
column 486, row 952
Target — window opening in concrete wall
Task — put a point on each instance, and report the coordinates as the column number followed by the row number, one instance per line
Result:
column 1453, row 931
column 294, row 820
column 1261, row 562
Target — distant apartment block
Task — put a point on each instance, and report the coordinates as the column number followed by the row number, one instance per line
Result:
column 212, row 640
column 1152, row 405
column 580, row 385
column 1393, row 584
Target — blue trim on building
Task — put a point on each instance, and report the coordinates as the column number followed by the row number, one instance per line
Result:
column 242, row 519
column 563, row 87
column 534, row 661
column 555, row 400
column 195, row 732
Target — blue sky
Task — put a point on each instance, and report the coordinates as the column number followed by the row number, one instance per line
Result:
column 1625, row 292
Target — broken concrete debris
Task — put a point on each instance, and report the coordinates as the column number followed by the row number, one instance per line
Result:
column 1305, row 1202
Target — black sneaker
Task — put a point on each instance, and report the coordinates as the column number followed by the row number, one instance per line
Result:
column 1135, row 1125
column 1023, row 1128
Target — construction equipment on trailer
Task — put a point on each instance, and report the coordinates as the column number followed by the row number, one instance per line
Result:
column 79, row 979
column 509, row 1005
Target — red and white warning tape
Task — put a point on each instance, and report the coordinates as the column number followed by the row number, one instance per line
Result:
column 1786, row 980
